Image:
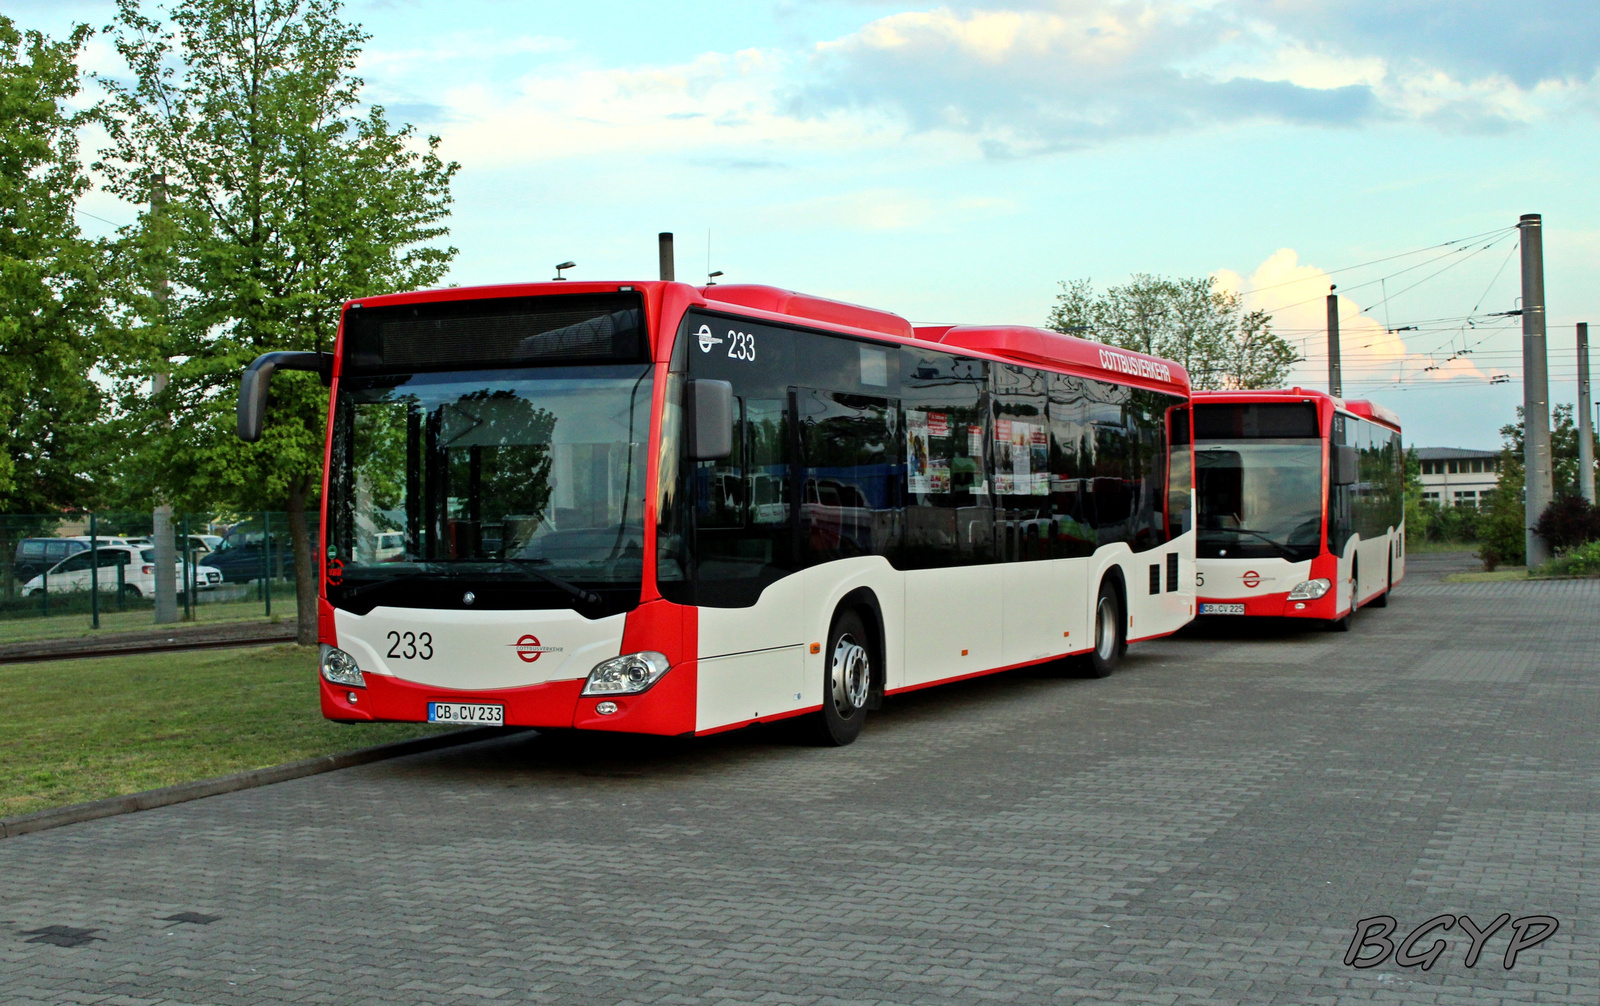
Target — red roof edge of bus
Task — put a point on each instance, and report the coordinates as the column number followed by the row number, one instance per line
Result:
column 1355, row 406
column 800, row 305
column 1373, row 411
column 1038, row 345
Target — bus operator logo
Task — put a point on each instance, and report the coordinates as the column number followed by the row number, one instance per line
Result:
column 1251, row 579
column 528, row 649
column 707, row 340
column 1133, row 365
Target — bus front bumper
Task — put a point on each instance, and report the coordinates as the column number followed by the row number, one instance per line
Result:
column 1276, row 605
column 666, row 709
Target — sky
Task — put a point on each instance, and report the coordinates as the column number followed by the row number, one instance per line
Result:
column 955, row 162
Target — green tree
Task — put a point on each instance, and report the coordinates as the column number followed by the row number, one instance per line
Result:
column 1502, row 529
column 48, row 281
column 1563, row 447
column 1419, row 517
column 281, row 199
column 1191, row 321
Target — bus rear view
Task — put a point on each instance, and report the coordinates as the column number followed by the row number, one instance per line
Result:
column 1300, row 503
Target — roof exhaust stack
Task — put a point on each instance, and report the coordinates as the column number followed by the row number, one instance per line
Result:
column 666, row 257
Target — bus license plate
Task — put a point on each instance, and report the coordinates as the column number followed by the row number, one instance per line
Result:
column 467, row 712
column 1221, row 609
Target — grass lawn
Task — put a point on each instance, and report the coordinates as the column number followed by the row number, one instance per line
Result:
column 1500, row 575
column 69, row 624
column 1422, row 547
column 84, row 729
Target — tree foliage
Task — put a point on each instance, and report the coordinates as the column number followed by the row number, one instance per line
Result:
column 277, row 197
column 1191, row 321
column 48, row 280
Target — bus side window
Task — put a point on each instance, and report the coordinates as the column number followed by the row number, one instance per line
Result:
column 947, row 519
column 1072, row 453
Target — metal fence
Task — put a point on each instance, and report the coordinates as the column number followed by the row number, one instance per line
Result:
column 65, row 573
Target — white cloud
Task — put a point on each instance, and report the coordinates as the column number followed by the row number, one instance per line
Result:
column 1066, row 73
column 1295, row 294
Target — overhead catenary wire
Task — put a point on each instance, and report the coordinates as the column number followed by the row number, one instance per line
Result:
column 1386, row 258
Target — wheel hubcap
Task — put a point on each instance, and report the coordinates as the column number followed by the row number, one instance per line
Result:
column 850, row 675
column 1105, row 629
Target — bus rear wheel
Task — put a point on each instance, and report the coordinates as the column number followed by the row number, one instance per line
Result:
column 846, row 682
column 1109, row 643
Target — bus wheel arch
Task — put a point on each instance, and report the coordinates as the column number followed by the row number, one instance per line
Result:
column 864, row 602
column 1110, row 610
column 848, row 669
column 1382, row 600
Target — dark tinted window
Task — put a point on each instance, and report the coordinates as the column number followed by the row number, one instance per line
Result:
column 1245, row 421
column 728, row 526
column 948, row 518
column 504, row 332
column 846, row 448
column 1379, row 496
column 850, row 494
column 1072, row 453
column 1020, row 435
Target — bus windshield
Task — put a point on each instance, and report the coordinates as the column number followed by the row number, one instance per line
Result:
column 1259, row 498
column 532, row 477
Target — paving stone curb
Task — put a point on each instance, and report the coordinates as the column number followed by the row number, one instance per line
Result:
column 184, row 792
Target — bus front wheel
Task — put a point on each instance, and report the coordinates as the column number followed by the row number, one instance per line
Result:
column 847, row 681
column 1109, row 641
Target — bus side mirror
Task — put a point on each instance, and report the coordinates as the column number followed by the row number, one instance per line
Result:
column 1344, row 466
column 257, row 376
column 710, row 408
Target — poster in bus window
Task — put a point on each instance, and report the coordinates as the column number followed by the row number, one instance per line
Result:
column 917, row 475
column 1039, row 458
column 939, row 457
column 1005, row 475
column 927, row 464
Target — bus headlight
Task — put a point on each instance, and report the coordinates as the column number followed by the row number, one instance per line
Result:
column 339, row 668
column 628, row 674
column 1310, row 590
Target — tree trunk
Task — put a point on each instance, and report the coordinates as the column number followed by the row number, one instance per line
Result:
column 306, row 568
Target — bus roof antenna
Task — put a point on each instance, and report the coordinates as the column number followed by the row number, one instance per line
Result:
column 561, row 267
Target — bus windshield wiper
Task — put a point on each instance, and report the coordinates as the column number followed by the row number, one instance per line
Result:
column 529, row 567
column 357, row 591
column 1286, row 551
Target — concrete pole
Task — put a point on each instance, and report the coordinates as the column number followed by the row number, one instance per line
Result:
column 1537, row 463
column 1335, row 381
column 166, row 574
column 1585, row 418
column 667, row 271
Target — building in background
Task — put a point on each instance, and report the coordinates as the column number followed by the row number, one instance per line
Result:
column 1455, row 477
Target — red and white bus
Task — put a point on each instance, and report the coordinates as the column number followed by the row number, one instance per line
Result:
column 663, row 509
column 1300, row 502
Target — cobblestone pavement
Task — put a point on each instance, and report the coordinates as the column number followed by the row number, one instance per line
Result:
column 1206, row 826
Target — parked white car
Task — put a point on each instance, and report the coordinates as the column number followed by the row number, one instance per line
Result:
column 76, row 572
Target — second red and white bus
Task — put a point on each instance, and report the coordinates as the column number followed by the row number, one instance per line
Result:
column 663, row 509
column 1300, row 502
